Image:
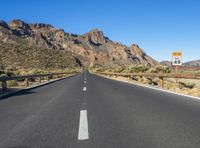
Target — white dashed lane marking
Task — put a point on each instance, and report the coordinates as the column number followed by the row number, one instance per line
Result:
column 84, row 88
column 83, row 133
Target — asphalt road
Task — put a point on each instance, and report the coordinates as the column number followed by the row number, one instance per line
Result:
column 100, row 113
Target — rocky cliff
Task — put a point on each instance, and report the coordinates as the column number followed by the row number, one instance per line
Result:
column 91, row 49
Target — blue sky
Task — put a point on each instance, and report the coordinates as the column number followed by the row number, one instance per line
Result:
column 157, row 26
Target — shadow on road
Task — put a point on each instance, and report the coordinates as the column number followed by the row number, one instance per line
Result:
column 18, row 92
column 20, row 147
column 15, row 93
column 9, row 90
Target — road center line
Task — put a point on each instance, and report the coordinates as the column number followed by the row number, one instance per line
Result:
column 85, row 75
column 83, row 133
column 84, row 88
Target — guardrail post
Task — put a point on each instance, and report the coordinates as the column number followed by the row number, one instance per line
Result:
column 4, row 86
column 161, row 82
column 129, row 78
column 47, row 78
column 40, row 79
column 26, row 81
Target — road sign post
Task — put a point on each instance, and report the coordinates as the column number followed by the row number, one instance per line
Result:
column 177, row 58
column 177, row 62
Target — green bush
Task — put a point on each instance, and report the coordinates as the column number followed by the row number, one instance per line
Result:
column 3, row 75
column 12, row 83
column 6, row 73
column 117, row 70
column 159, row 69
column 188, row 85
column 136, row 69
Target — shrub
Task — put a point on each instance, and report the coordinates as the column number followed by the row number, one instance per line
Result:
column 188, row 85
column 159, row 69
column 12, row 83
column 3, row 75
column 117, row 70
column 136, row 69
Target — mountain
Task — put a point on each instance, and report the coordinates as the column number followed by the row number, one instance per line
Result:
column 195, row 63
column 89, row 49
column 17, row 56
column 166, row 63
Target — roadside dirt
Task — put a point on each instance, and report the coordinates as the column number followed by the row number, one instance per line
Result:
column 169, row 84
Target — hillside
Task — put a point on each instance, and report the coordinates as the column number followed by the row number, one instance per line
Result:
column 166, row 63
column 14, row 56
column 195, row 63
column 91, row 49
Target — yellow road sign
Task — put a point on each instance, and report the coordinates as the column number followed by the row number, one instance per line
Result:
column 176, row 58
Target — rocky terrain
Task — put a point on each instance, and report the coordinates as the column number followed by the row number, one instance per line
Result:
column 14, row 56
column 43, row 42
column 195, row 63
column 166, row 63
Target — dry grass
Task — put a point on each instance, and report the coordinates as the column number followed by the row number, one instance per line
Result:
column 169, row 84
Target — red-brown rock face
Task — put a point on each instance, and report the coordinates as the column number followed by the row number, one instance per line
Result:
column 92, row 48
column 95, row 37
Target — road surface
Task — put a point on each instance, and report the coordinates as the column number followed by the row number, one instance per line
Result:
column 98, row 113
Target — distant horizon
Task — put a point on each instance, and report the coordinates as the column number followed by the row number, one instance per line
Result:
column 158, row 27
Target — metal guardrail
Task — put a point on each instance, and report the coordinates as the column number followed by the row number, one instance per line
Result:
column 167, row 75
column 161, row 76
column 4, row 79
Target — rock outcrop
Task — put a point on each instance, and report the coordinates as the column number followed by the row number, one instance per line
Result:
column 95, row 37
column 195, row 63
column 92, row 48
column 166, row 63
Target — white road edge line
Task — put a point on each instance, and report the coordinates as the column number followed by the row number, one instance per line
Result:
column 85, row 82
column 168, row 91
column 84, row 88
column 159, row 89
column 83, row 133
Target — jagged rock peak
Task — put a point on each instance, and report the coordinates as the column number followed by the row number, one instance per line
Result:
column 91, row 48
column 134, row 46
column 137, row 50
column 96, row 37
column 18, row 24
column 96, row 30
column 41, row 25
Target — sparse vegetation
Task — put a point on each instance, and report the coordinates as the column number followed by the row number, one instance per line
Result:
column 159, row 69
column 187, row 85
column 15, row 56
column 135, row 69
column 12, row 83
